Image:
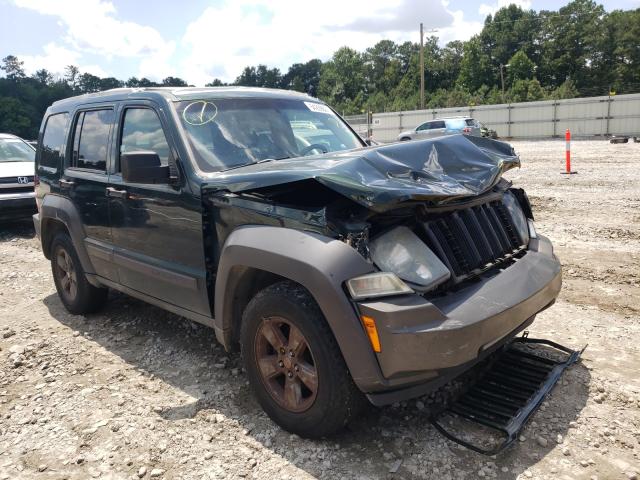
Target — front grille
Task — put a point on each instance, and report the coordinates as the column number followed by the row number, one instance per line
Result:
column 474, row 239
column 25, row 189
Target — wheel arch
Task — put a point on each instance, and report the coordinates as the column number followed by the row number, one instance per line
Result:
column 58, row 214
column 318, row 263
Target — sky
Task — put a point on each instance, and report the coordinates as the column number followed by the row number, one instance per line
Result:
column 199, row 40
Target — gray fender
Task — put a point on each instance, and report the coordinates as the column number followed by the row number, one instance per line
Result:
column 321, row 264
column 62, row 209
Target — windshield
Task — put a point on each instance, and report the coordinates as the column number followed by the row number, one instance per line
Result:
column 15, row 150
column 230, row 132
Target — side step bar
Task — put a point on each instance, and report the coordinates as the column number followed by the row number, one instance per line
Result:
column 507, row 394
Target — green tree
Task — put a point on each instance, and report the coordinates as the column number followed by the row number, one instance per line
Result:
column 12, row 118
column 88, row 83
column 520, row 67
column 174, row 82
column 216, row 82
column 342, row 81
column 525, row 90
column 475, row 67
column 71, row 73
column 566, row 90
column 108, row 83
column 573, row 38
column 13, row 67
column 303, row 77
column 43, row 76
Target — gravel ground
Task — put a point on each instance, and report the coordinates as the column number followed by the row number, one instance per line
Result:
column 135, row 392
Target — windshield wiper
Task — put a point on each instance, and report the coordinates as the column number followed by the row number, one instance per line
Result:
column 264, row 160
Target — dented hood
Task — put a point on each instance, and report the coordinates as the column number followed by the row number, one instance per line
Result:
column 436, row 171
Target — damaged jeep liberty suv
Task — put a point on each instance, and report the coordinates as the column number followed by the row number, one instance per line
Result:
column 341, row 271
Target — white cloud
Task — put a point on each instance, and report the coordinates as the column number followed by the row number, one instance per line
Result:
column 460, row 29
column 402, row 16
column 55, row 58
column 490, row 9
column 226, row 38
column 236, row 33
column 92, row 27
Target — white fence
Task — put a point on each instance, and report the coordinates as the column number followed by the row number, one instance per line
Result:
column 585, row 117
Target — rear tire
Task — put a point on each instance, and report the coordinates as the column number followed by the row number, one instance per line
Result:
column 294, row 364
column 77, row 295
column 405, row 139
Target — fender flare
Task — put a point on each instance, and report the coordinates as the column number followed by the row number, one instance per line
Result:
column 61, row 209
column 320, row 264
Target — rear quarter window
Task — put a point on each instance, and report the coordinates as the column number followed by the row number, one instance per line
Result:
column 53, row 140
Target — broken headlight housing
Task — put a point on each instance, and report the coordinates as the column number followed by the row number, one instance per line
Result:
column 518, row 217
column 401, row 251
column 379, row 284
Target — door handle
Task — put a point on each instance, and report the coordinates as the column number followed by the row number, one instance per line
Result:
column 66, row 183
column 115, row 193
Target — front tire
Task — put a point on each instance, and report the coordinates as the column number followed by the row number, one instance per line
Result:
column 294, row 364
column 77, row 295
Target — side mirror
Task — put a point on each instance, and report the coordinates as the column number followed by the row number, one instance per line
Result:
column 143, row 167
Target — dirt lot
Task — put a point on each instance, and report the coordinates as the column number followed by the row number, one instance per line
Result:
column 137, row 392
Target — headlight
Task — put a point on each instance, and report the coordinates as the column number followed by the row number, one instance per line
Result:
column 401, row 251
column 517, row 215
column 381, row 284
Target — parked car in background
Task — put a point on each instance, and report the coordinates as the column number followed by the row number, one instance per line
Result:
column 443, row 126
column 488, row 132
column 17, row 197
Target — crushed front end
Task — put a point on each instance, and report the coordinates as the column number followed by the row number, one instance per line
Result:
column 478, row 273
column 456, row 268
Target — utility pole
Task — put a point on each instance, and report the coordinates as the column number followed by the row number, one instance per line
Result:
column 421, row 67
column 502, row 80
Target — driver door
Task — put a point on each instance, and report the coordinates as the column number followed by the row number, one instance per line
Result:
column 156, row 228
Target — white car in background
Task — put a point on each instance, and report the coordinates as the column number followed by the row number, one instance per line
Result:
column 17, row 171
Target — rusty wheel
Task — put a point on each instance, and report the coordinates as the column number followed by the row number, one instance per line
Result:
column 293, row 362
column 286, row 364
column 76, row 293
column 65, row 271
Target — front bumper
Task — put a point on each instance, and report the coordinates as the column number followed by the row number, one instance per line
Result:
column 426, row 342
column 14, row 206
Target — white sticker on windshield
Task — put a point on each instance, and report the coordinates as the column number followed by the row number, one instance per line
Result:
column 318, row 107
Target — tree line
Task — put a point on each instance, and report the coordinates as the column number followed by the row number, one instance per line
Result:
column 520, row 55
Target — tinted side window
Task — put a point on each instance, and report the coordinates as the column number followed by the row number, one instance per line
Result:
column 53, row 140
column 91, row 139
column 142, row 131
column 437, row 124
column 424, row 126
column 470, row 122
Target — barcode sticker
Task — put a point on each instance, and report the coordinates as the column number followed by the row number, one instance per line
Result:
column 318, row 107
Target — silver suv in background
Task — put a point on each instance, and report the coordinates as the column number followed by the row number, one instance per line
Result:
column 443, row 126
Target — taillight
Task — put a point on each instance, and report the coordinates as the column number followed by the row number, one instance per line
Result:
column 466, row 130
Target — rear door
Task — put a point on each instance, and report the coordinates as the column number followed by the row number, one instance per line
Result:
column 85, row 180
column 157, row 229
column 437, row 128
